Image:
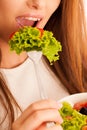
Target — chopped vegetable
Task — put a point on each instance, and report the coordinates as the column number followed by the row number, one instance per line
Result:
column 32, row 38
column 83, row 110
column 73, row 120
column 79, row 105
column 84, row 127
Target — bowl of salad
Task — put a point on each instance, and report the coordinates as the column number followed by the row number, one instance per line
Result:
column 74, row 112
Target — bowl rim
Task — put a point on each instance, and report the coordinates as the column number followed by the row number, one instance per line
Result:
column 75, row 98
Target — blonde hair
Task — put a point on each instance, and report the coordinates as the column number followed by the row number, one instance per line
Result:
column 8, row 105
column 69, row 27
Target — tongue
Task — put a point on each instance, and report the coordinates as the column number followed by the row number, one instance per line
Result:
column 25, row 22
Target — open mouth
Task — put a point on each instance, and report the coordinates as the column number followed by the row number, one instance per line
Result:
column 27, row 21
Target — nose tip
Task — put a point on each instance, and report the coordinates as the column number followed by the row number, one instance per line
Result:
column 36, row 4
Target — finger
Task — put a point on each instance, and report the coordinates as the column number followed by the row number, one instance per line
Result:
column 43, row 104
column 39, row 105
column 39, row 117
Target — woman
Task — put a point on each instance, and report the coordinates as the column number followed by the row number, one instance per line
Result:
column 68, row 25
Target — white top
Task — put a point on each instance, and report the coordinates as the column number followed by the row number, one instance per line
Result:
column 23, row 83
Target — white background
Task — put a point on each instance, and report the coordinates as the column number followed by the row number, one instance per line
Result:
column 85, row 5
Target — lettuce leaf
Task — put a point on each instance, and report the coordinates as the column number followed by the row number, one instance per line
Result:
column 32, row 38
column 72, row 119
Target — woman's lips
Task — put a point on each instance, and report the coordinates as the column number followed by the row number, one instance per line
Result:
column 27, row 21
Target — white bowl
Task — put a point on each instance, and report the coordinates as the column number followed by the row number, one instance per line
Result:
column 74, row 98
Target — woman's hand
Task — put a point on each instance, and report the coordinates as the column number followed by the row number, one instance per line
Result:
column 37, row 115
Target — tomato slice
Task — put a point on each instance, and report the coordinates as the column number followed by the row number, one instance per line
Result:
column 84, row 127
column 11, row 35
column 41, row 30
column 79, row 105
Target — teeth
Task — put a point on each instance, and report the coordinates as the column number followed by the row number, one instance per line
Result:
column 33, row 19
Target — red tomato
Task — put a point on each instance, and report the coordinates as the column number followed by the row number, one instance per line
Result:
column 41, row 30
column 79, row 105
column 11, row 35
column 84, row 127
column 68, row 117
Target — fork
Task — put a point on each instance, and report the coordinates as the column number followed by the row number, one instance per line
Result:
column 35, row 56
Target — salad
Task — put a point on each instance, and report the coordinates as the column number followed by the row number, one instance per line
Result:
column 73, row 119
column 30, row 38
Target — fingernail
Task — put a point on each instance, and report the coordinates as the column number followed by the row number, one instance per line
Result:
column 61, row 121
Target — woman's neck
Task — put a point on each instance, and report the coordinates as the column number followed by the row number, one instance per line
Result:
column 9, row 59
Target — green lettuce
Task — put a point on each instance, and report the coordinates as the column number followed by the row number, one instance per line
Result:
column 73, row 120
column 32, row 38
